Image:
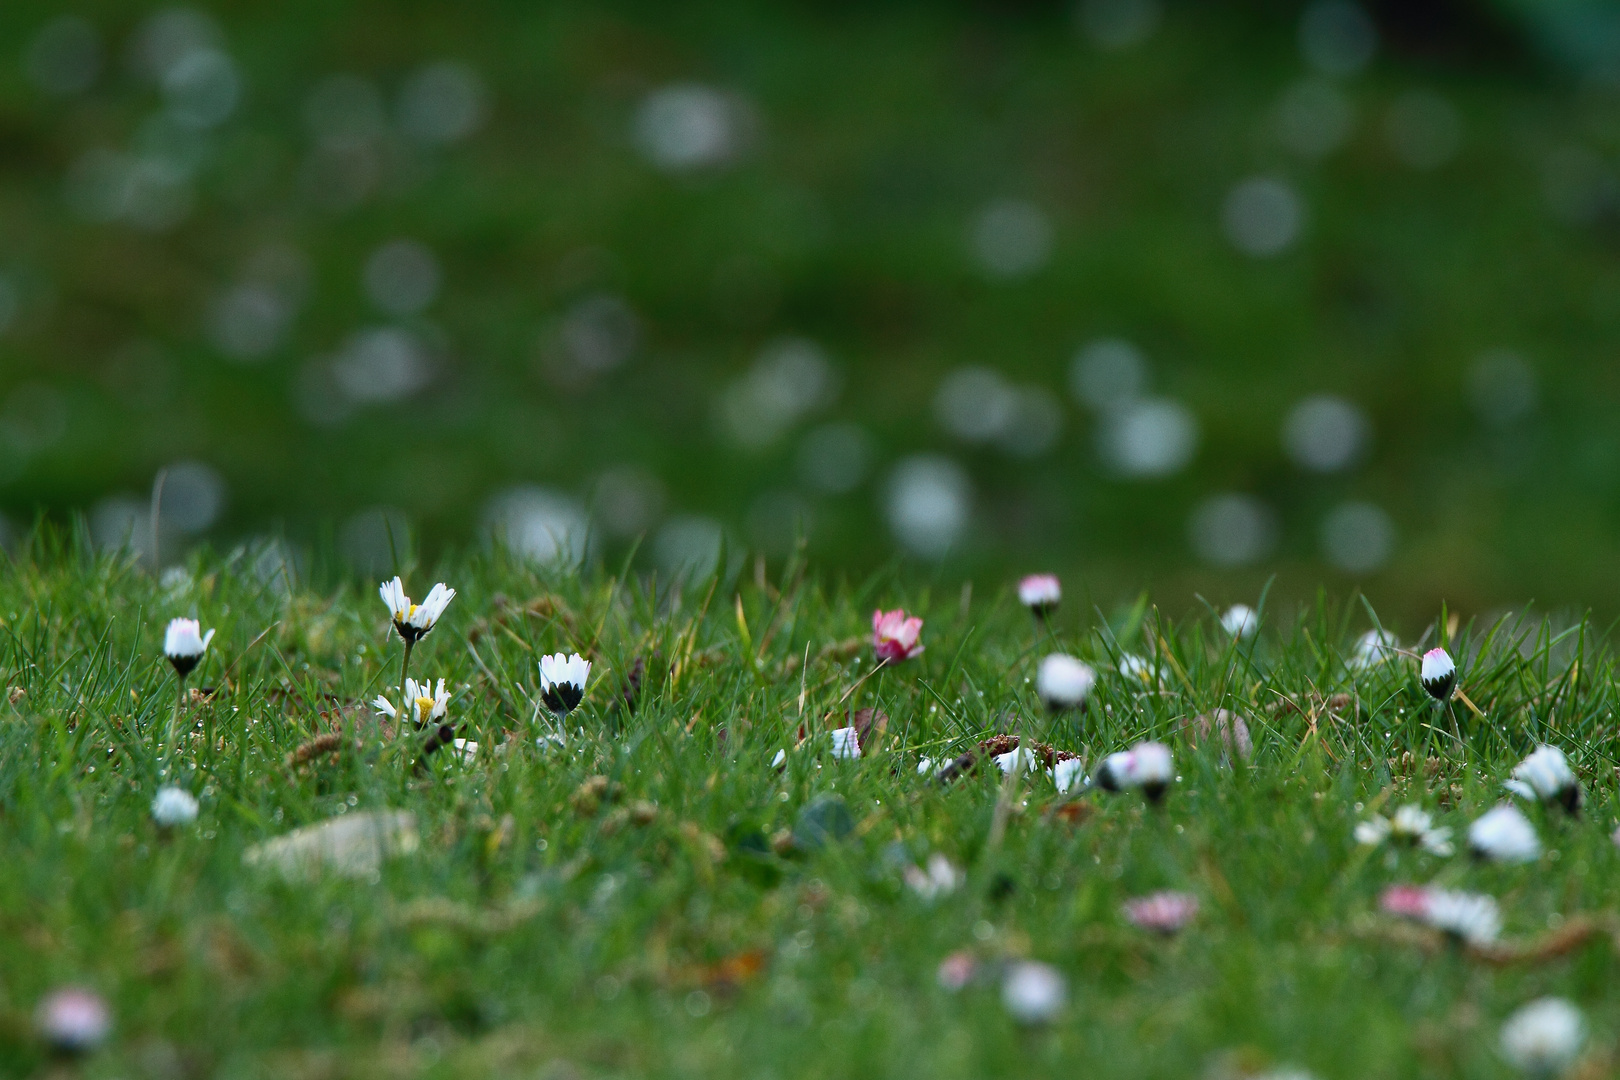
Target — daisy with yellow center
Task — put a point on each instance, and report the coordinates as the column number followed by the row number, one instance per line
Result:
column 413, row 621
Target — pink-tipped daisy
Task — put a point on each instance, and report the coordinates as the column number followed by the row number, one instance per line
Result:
column 1041, row 593
column 1162, row 912
column 895, row 635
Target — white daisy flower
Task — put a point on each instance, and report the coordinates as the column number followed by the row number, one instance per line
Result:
column 780, row 759
column 1147, row 767
column 1136, row 668
column 1373, row 648
column 1544, row 1037
column 846, row 743
column 184, row 644
column 1503, row 834
column 562, row 681
column 174, row 806
column 464, row 750
column 1067, row 773
column 1033, row 992
column 1410, row 825
column 940, row 879
column 1241, row 621
column 1019, row 758
column 1471, row 917
column 73, row 1020
column 427, row 703
column 1064, row 682
column 412, row 621
column 1439, row 674
column 1041, row 593
column 1545, row 776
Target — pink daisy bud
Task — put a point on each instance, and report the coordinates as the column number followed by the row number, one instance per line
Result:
column 73, row 1020
column 895, row 634
column 1162, row 912
column 1040, row 593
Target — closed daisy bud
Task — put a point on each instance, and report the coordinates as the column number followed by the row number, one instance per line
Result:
column 1544, row 1037
column 73, row 1020
column 412, row 621
column 184, row 644
column 1145, row 767
column 174, row 806
column 1033, row 992
column 1241, row 621
column 1162, row 912
column 1041, row 593
column 562, row 681
column 1064, row 682
column 1439, row 674
column 1545, row 776
column 1502, row 834
column 895, row 635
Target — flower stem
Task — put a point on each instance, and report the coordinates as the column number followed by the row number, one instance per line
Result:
column 405, row 701
column 174, row 721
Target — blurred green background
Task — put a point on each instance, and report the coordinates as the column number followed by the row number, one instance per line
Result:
column 1167, row 294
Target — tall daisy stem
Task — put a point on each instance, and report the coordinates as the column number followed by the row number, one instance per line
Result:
column 174, row 721
column 404, row 672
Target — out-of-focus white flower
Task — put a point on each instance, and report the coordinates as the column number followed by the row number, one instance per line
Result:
column 1064, row 682
column 73, row 1020
column 780, row 759
column 411, row 621
column 1067, row 773
column 1470, row 917
column 1033, row 992
column 1503, row 834
column 1545, row 776
column 1241, row 621
column 956, row 970
column 1020, row 759
column 1410, row 825
column 846, row 743
column 927, row 766
column 184, row 644
column 1136, row 668
column 940, row 879
column 174, row 806
column 1041, row 593
column 1145, row 767
column 1439, row 674
column 1373, row 647
column 1544, row 1037
column 1162, row 912
column 562, row 681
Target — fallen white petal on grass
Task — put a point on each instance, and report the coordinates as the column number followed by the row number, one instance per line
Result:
column 354, row 845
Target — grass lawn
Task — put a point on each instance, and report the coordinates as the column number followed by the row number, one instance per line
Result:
column 647, row 895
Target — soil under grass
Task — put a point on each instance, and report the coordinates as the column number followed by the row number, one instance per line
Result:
column 647, row 895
